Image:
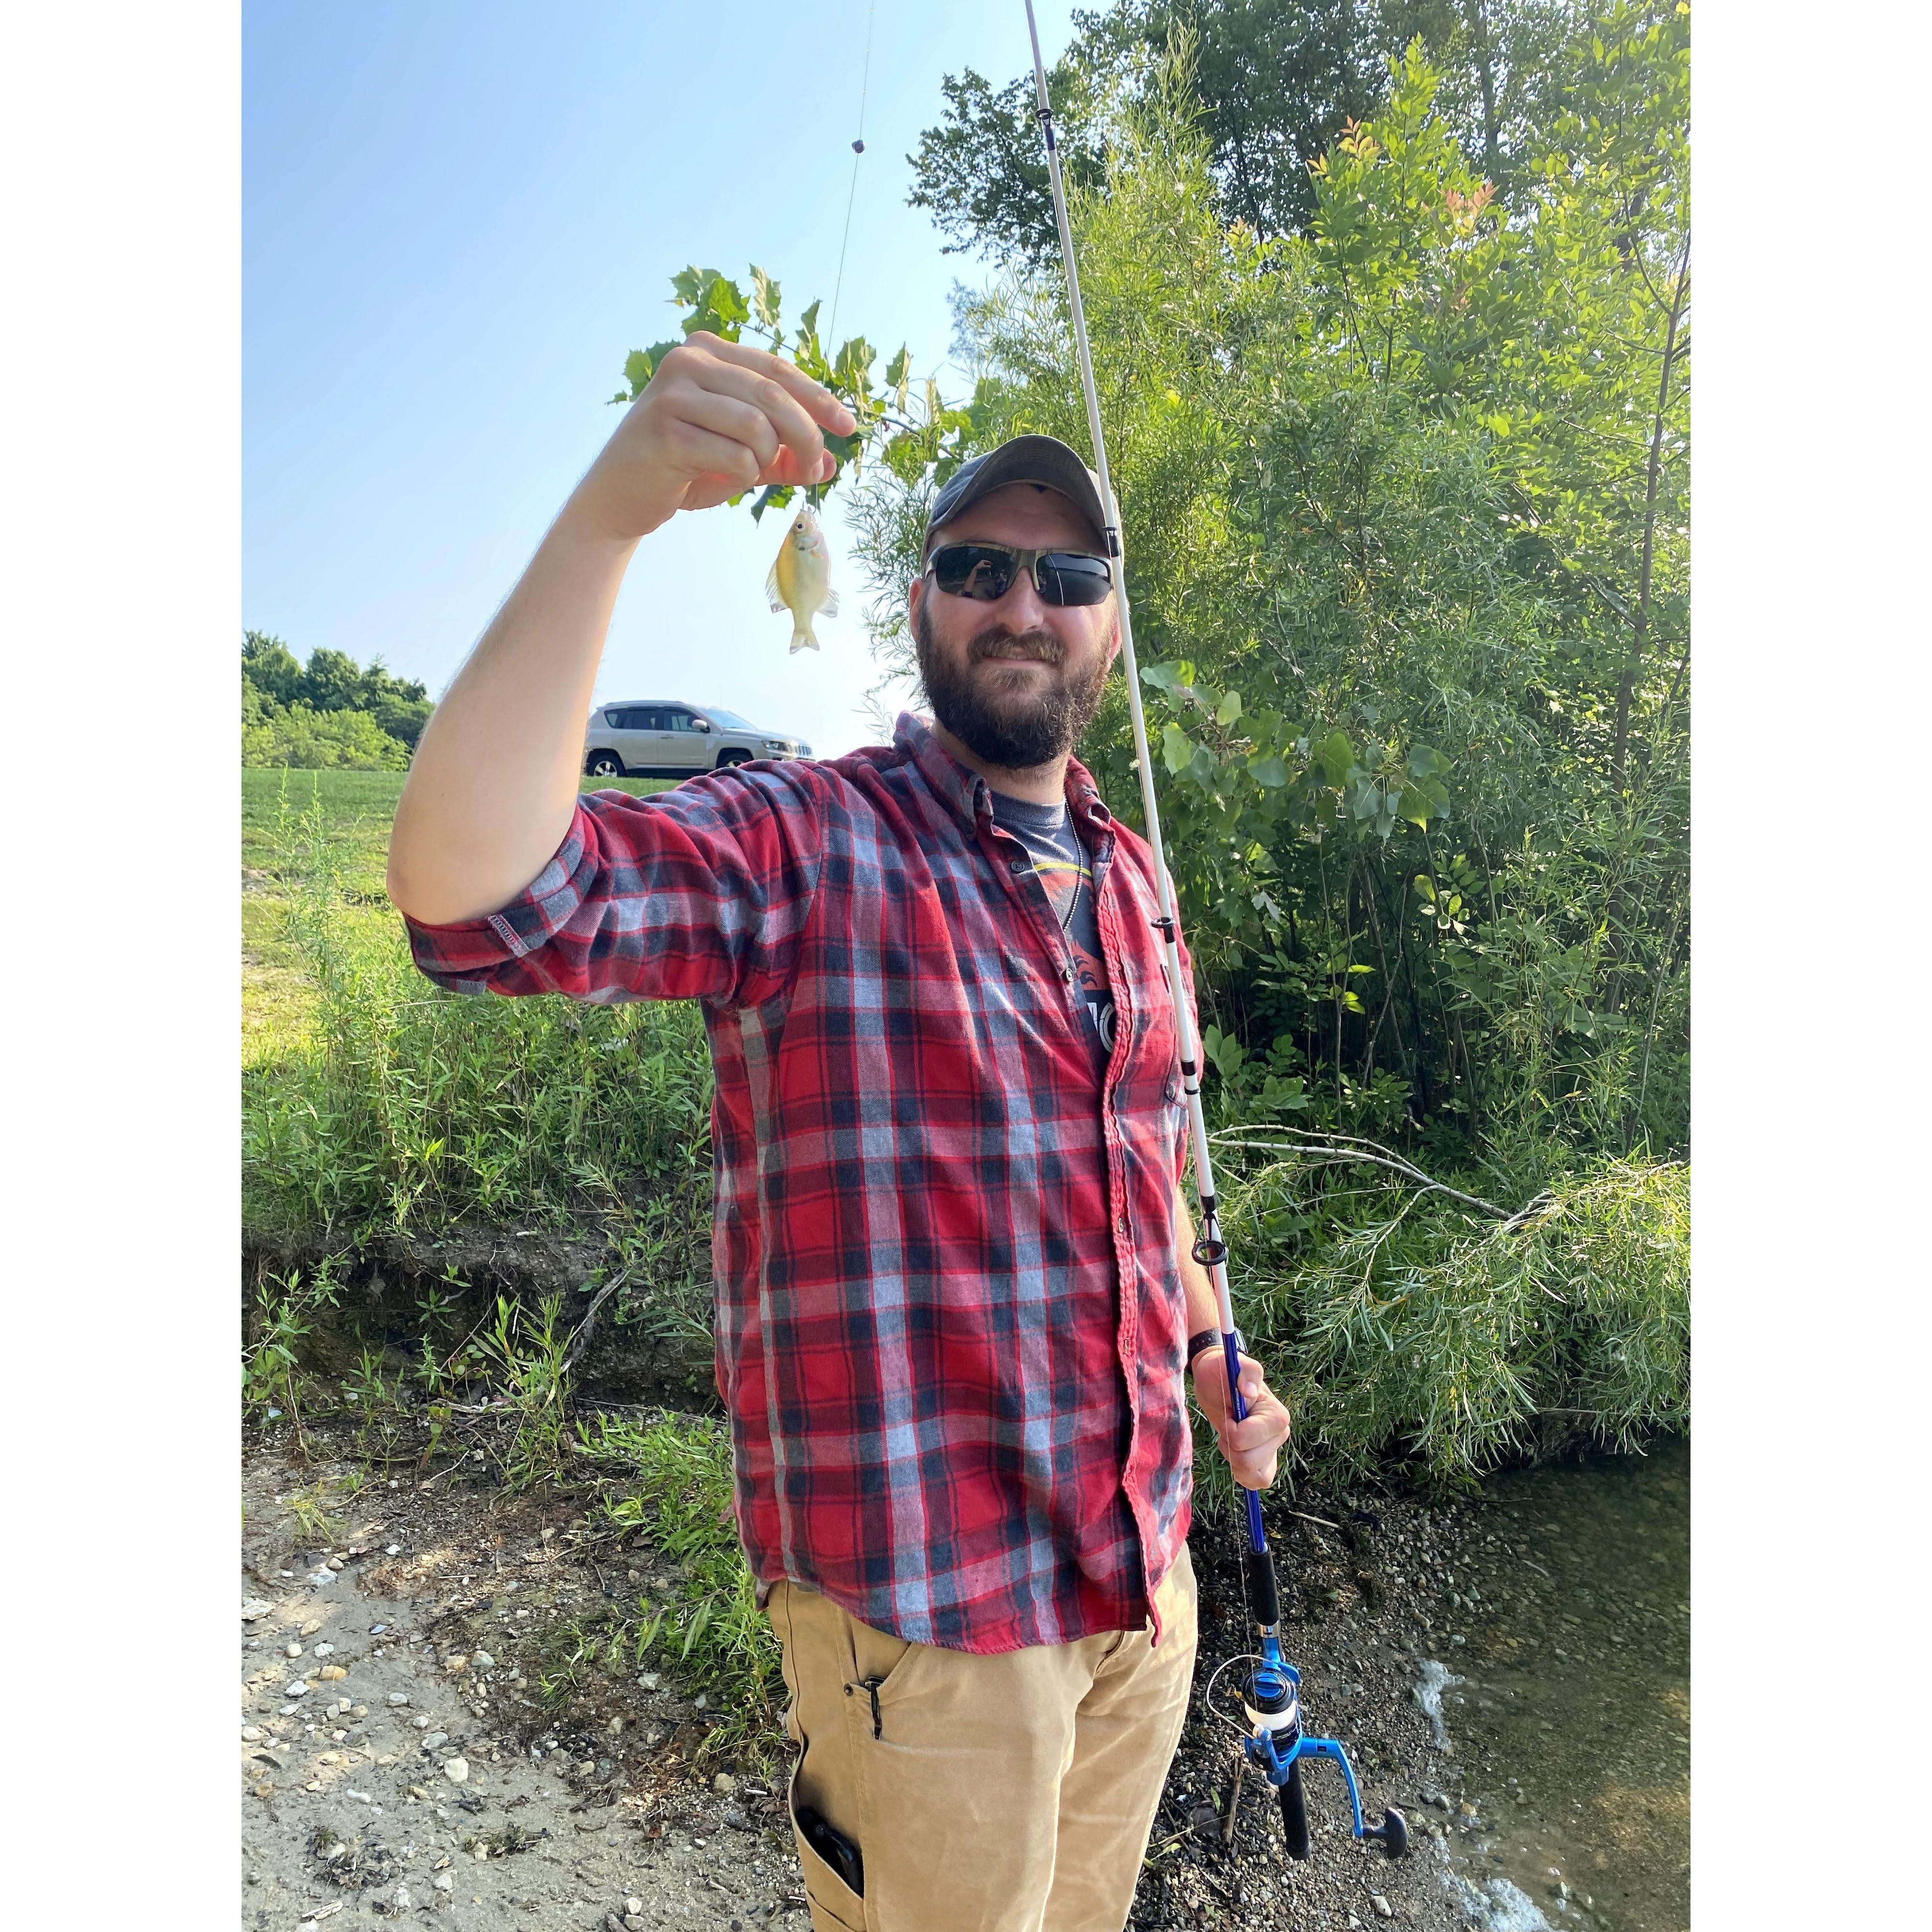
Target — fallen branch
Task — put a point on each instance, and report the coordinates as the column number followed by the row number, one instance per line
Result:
column 1352, row 1147
column 579, row 1338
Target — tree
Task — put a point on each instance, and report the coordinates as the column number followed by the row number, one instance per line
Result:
column 1276, row 81
column 270, row 667
column 1405, row 501
column 283, row 703
column 333, row 681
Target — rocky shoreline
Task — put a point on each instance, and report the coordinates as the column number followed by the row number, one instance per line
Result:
column 397, row 1756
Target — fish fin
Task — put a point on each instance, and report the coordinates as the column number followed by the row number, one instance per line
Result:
column 829, row 608
column 801, row 636
column 772, row 589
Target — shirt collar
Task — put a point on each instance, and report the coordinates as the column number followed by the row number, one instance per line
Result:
column 968, row 794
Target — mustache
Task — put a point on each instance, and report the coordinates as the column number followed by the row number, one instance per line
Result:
column 993, row 644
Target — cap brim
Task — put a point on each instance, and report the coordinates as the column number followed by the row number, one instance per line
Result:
column 1031, row 459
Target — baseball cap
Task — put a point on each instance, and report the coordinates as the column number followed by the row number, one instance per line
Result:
column 1023, row 459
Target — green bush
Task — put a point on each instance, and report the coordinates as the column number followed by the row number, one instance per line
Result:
column 1398, row 1321
column 332, row 714
column 310, row 740
column 404, row 1106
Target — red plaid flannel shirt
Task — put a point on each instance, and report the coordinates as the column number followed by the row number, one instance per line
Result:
column 950, row 1325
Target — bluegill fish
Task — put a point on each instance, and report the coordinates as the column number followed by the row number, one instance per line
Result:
column 799, row 580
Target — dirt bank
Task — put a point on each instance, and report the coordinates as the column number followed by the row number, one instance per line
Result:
column 396, row 1756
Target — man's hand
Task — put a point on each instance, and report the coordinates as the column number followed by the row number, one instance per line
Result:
column 715, row 418
column 1253, row 1446
column 494, row 783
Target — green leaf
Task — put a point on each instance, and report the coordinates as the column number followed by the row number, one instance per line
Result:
column 1422, row 799
column 1267, row 769
column 721, row 308
column 691, row 283
column 641, row 364
column 853, row 366
column 899, row 376
column 1176, row 676
column 764, row 299
column 773, row 496
column 1229, row 708
column 1177, row 749
column 1337, row 758
column 1424, row 763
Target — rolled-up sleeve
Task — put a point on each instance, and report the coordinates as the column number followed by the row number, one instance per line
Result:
column 702, row 892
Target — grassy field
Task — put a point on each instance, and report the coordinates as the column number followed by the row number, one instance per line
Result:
column 344, row 818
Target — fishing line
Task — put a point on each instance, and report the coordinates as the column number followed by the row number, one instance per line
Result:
column 858, row 148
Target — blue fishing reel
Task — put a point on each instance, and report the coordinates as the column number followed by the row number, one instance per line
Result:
column 1275, row 1743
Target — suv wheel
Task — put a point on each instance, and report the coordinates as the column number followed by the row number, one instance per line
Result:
column 733, row 754
column 605, row 765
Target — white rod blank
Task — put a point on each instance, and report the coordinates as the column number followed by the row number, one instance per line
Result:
column 1190, row 1063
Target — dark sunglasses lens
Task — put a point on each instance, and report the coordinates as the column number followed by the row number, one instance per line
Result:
column 1067, row 577
column 972, row 570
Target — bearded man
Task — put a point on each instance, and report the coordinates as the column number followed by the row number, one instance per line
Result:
column 956, row 1306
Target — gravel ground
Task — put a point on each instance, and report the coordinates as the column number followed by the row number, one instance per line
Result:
column 395, row 1758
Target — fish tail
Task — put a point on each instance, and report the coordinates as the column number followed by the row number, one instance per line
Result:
column 802, row 637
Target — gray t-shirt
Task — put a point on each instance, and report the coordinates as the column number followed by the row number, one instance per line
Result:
column 1061, row 861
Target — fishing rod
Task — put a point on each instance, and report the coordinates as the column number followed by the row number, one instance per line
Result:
column 1274, row 1741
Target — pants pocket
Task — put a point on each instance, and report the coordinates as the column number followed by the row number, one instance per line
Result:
column 833, row 1902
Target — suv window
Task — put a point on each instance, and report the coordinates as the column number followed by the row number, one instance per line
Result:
column 677, row 721
column 637, row 717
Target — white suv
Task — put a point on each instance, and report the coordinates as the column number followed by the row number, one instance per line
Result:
column 665, row 738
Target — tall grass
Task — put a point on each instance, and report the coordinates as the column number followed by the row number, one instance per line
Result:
column 396, row 1105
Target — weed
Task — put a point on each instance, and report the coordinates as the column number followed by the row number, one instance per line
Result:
column 381, row 1406
column 273, row 1382
column 671, row 1482
column 314, row 1521
column 525, row 1354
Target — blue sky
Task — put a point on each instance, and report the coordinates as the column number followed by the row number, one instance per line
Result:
column 456, row 222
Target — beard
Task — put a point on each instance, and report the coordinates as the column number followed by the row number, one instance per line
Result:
column 996, row 721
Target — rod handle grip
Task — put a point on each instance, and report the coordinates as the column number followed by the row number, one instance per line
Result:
column 1263, row 1602
column 1294, row 1813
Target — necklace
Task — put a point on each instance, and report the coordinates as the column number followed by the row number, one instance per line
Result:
column 1080, row 876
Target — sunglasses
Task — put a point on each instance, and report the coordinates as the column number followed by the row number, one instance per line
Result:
column 985, row 572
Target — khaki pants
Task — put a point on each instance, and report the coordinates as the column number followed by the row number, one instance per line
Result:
column 1013, row 1793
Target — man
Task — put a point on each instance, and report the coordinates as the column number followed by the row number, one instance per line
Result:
column 955, row 1303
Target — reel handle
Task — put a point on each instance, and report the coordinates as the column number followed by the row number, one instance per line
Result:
column 1294, row 1813
column 1392, row 1833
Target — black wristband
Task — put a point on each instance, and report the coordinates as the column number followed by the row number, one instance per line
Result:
column 1200, row 1340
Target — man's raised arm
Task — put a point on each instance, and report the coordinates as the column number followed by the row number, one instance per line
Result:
column 493, row 783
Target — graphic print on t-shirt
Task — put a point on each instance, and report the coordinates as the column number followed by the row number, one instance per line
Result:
column 1060, row 859
column 1070, row 890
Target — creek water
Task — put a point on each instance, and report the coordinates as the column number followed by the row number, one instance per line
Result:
column 1568, row 1701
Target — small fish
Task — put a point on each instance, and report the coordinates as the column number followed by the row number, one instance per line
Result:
column 799, row 582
